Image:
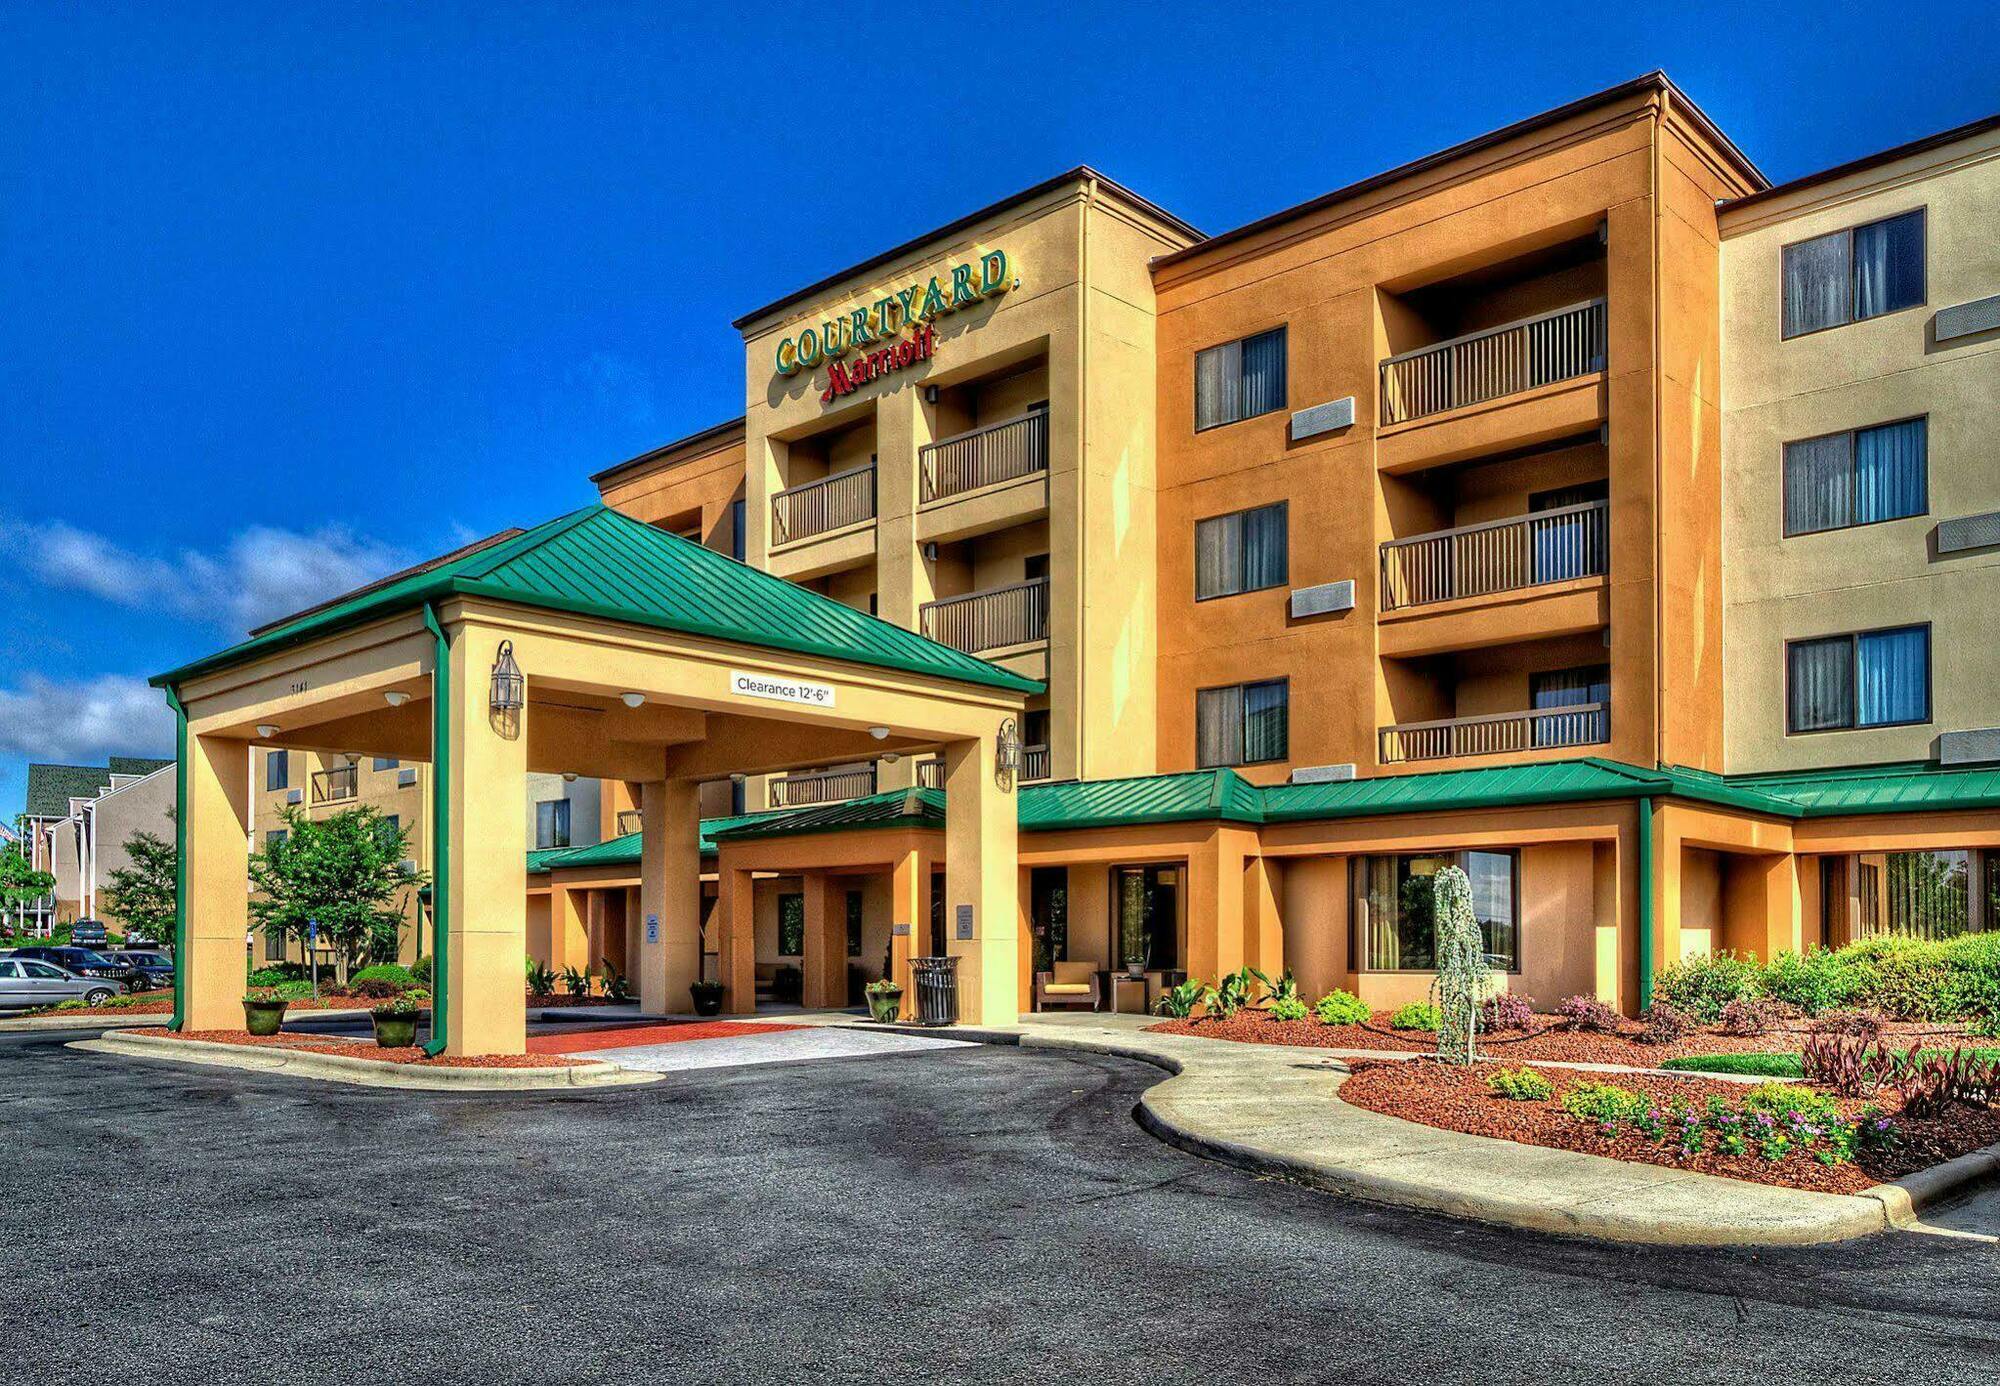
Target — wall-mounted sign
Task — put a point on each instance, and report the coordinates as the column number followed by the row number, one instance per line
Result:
column 652, row 928
column 842, row 379
column 962, row 921
column 780, row 690
column 907, row 310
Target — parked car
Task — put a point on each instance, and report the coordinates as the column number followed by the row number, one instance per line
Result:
column 89, row 933
column 83, row 962
column 27, row 982
column 155, row 969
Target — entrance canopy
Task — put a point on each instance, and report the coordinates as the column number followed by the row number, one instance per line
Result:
column 642, row 657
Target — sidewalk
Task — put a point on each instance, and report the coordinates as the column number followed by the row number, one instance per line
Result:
column 1275, row 1109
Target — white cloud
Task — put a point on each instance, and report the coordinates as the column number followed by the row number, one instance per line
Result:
column 261, row 574
column 86, row 721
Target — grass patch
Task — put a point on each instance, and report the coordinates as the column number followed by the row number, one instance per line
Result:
column 1749, row 1065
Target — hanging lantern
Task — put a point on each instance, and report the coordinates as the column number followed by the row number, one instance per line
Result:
column 510, row 690
column 1007, row 749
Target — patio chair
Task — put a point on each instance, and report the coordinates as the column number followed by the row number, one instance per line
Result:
column 1068, row 984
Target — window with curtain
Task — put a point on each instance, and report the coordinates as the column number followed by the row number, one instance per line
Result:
column 1585, row 687
column 277, row 769
column 1242, row 724
column 552, row 823
column 1393, row 923
column 738, row 535
column 1857, row 478
column 792, row 923
column 1925, row 894
column 386, row 762
column 1879, row 678
column 1239, row 380
column 1851, row 275
column 1241, row 552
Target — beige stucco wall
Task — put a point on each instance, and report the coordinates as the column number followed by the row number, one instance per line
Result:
column 140, row 806
column 1887, row 368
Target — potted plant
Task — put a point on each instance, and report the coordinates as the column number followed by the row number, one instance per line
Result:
column 885, row 1000
column 1132, row 923
column 707, row 997
column 396, row 1018
column 264, row 1010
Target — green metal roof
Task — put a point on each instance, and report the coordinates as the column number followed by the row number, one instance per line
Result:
column 1193, row 796
column 597, row 562
column 624, row 851
column 1915, row 787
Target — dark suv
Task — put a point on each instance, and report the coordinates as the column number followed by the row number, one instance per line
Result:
column 155, row 969
column 89, row 933
column 84, row 963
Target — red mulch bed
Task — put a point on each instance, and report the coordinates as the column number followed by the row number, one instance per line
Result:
column 666, row 1032
column 552, row 1003
column 1457, row 1099
column 164, row 1005
column 1551, row 1042
column 365, row 1049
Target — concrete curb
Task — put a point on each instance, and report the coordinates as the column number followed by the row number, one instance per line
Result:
column 1277, row 1112
column 72, row 1021
column 367, row 1073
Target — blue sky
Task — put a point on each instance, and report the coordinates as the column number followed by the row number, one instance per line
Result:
column 292, row 294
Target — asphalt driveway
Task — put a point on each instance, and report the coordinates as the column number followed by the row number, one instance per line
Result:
column 963, row 1214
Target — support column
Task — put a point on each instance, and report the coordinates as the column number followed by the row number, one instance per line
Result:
column 488, row 926
column 568, row 935
column 981, row 830
column 218, row 872
column 736, row 949
column 1263, row 917
column 825, row 959
column 909, row 920
column 669, row 896
column 1215, row 906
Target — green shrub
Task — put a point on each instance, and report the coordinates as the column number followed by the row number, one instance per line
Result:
column 271, row 976
column 1229, row 995
column 541, row 980
column 1605, row 1105
column 383, row 979
column 1178, row 1001
column 576, row 982
column 1703, row 984
column 1748, row 1065
column 1816, row 982
column 1418, row 1015
column 421, row 970
column 1520, row 1085
column 1339, row 1007
column 1972, row 988
column 1288, row 1008
column 1283, row 987
column 1902, row 977
column 1791, row 1102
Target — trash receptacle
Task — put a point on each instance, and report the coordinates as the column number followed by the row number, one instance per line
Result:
column 936, row 980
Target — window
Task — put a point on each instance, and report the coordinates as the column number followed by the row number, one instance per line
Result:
column 1048, row 909
column 738, row 535
column 853, row 923
column 1850, row 275
column 1241, row 552
column 1242, row 724
column 791, row 925
column 1587, row 689
column 1239, row 380
column 1925, row 894
column 386, row 762
column 1146, row 915
column 277, row 769
column 1035, row 567
column 389, row 829
column 1879, row 678
column 1857, row 478
column 274, row 947
column 1393, row 926
column 552, row 823
column 276, row 838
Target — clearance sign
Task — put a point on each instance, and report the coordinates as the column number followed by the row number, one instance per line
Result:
column 875, row 333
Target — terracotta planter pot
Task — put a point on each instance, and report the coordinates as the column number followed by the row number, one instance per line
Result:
column 263, row 1017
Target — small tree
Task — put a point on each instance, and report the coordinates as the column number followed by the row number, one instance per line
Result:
column 142, row 894
column 345, row 874
column 20, row 883
column 1462, row 974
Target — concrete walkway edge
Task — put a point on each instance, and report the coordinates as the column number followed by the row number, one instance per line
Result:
column 29, row 1023
column 368, row 1073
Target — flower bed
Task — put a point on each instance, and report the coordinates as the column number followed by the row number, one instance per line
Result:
column 162, row 1003
column 1551, row 1041
column 563, row 1000
column 1460, row 1099
column 363, row 1049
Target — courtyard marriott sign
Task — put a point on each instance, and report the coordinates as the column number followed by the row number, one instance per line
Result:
column 880, row 325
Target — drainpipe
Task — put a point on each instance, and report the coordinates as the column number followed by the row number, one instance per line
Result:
column 440, row 833
column 1645, row 902
column 180, row 856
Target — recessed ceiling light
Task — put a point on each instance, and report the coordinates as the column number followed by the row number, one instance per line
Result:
column 267, row 730
column 396, row 697
column 632, row 699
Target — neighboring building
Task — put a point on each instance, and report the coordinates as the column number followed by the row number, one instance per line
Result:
column 64, row 836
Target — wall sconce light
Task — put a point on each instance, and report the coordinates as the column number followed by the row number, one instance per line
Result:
column 879, row 733
column 267, row 730
column 632, row 699
column 510, row 690
column 1007, row 748
column 395, row 697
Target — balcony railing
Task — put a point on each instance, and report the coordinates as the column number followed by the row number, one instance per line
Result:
column 1504, row 360
column 1584, row 724
column 844, row 498
column 985, row 456
column 335, row 785
column 1016, row 614
column 822, row 787
column 1034, row 767
column 1571, row 541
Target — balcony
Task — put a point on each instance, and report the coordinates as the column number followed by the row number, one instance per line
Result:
column 822, row 786
column 1506, row 360
column 1034, row 768
column 334, row 786
column 1559, row 545
column 987, row 456
column 818, row 507
column 1505, row 733
column 999, row 617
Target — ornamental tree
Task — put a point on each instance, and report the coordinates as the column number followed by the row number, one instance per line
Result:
column 1462, row 975
column 142, row 893
column 20, row 883
column 344, row 873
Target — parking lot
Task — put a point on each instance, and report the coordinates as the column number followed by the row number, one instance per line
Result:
column 958, row 1213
